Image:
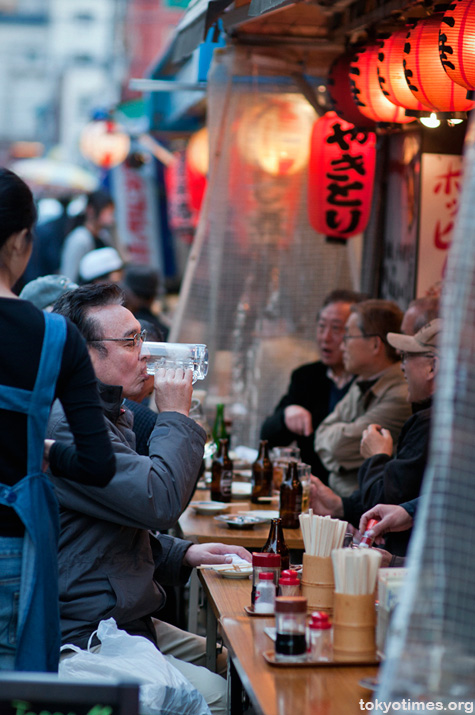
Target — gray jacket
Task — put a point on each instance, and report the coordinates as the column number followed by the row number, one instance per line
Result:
column 109, row 564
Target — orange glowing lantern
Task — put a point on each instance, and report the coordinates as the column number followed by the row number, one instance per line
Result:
column 391, row 75
column 457, row 42
column 339, row 89
column 274, row 135
column 341, row 177
column 367, row 91
column 104, row 143
column 197, row 166
column 426, row 77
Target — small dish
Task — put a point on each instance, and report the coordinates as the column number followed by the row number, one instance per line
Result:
column 209, row 507
column 251, row 612
column 262, row 514
column 234, row 573
column 238, row 521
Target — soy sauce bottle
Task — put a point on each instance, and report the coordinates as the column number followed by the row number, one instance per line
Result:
column 291, row 498
column 262, row 473
column 221, row 473
column 275, row 543
column 290, row 626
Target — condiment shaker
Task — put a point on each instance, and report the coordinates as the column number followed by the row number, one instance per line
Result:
column 289, row 583
column 290, row 627
column 265, row 593
column 264, row 562
column 320, row 637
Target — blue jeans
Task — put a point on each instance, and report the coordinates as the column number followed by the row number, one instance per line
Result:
column 10, row 577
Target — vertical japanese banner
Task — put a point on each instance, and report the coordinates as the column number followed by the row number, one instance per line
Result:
column 441, row 183
column 136, row 199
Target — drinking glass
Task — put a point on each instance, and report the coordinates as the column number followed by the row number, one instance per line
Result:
column 188, row 356
column 280, row 458
column 304, row 471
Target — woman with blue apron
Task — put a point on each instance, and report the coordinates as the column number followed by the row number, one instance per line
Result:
column 30, row 635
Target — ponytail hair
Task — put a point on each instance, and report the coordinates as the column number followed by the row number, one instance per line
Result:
column 17, row 207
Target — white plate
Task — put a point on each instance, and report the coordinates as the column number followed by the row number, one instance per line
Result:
column 241, row 488
column 209, row 507
column 263, row 514
column 237, row 574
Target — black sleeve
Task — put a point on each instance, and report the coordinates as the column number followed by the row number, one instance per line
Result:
column 411, row 506
column 371, row 480
column 91, row 460
column 273, row 428
column 353, row 508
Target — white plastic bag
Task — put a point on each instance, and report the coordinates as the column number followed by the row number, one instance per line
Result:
column 163, row 689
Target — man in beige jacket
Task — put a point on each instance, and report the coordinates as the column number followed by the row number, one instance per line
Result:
column 379, row 394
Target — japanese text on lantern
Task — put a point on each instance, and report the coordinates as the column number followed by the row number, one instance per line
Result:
column 341, row 178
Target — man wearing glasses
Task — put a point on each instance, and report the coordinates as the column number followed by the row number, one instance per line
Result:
column 109, row 564
column 315, row 388
column 379, row 394
column 382, row 478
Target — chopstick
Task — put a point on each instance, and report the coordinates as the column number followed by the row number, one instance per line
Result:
column 321, row 534
column 355, row 570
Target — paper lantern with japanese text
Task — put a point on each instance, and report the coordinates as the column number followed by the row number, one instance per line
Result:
column 339, row 89
column 367, row 91
column 273, row 134
column 341, row 177
column 457, row 42
column 425, row 75
column 390, row 67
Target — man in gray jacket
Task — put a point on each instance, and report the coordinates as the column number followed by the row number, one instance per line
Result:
column 110, row 565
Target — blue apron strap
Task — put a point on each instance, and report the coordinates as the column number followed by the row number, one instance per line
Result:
column 45, row 387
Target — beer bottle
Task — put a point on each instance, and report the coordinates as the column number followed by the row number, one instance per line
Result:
column 291, row 498
column 262, row 473
column 219, row 427
column 275, row 543
column 221, row 473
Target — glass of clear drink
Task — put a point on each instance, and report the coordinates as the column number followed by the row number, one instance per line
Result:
column 188, row 356
column 304, row 472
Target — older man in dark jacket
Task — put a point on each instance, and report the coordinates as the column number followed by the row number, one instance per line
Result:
column 110, row 565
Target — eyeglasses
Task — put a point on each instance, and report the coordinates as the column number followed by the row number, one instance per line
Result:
column 406, row 356
column 333, row 329
column 347, row 337
column 132, row 341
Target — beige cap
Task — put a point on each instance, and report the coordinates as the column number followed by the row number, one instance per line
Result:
column 424, row 341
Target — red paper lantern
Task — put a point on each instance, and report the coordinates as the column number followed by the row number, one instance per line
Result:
column 367, row 91
column 196, row 167
column 341, row 177
column 339, row 89
column 390, row 69
column 425, row 74
column 457, row 42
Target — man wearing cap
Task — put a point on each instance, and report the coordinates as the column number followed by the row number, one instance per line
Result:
column 383, row 479
column 45, row 291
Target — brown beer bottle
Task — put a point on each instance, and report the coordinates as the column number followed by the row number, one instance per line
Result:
column 275, row 543
column 221, row 473
column 262, row 473
column 291, row 498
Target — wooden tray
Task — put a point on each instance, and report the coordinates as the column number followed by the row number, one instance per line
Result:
column 269, row 656
column 251, row 612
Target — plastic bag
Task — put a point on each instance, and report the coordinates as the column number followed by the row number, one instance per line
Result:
column 163, row 689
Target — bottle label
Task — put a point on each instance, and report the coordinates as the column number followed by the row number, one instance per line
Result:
column 226, row 482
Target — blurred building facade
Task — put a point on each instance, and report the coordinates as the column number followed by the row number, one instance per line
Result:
column 58, row 62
